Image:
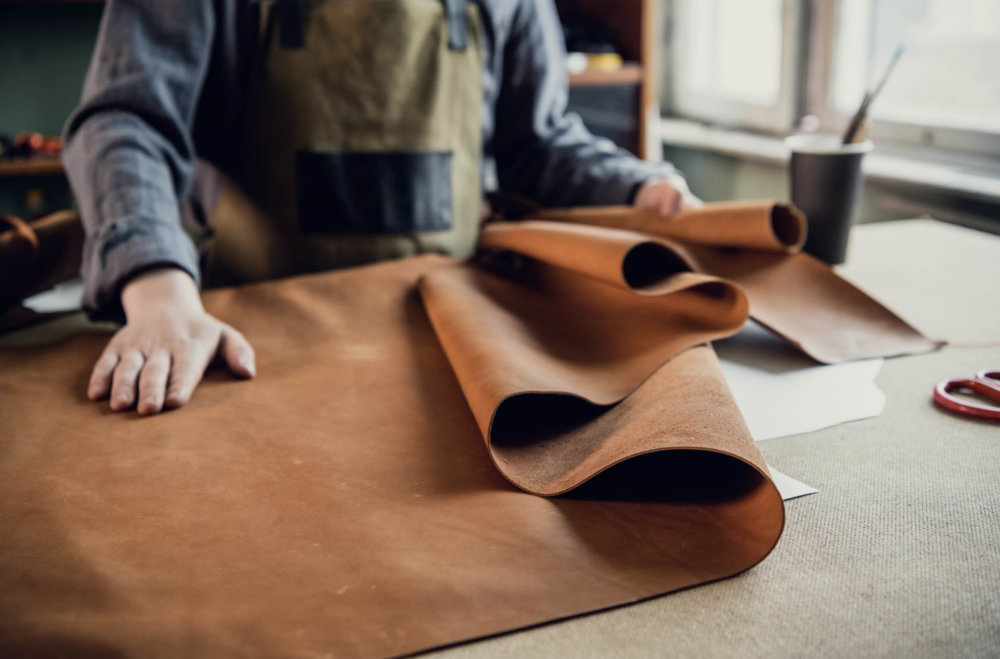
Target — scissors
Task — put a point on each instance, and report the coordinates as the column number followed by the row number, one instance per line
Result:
column 985, row 383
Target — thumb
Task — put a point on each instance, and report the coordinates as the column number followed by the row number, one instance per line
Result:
column 670, row 202
column 235, row 350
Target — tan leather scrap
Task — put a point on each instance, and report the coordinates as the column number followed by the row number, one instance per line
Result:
column 757, row 245
column 343, row 502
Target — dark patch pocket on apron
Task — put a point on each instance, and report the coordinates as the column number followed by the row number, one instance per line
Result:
column 374, row 192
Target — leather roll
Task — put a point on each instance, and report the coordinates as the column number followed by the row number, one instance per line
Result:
column 756, row 244
column 757, row 225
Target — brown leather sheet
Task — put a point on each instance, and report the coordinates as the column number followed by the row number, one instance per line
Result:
column 756, row 244
column 343, row 503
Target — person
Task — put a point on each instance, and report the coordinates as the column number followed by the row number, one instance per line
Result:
column 302, row 137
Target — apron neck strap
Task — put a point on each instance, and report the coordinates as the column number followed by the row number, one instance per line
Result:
column 457, row 29
column 292, row 24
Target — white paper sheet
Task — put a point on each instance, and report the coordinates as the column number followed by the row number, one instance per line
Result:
column 782, row 392
column 64, row 297
column 788, row 487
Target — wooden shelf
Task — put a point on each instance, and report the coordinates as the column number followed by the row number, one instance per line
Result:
column 31, row 167
column 629, row 74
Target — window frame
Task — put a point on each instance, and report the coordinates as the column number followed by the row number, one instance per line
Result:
column 809, row 38
column 936, row 141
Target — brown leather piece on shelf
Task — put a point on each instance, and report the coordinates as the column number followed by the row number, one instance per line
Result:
column 35, row 256
column 795, row 295
column 758, row 225
column 343, row 503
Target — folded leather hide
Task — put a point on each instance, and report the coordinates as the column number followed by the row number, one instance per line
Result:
column 757, row 245
column 343, row 504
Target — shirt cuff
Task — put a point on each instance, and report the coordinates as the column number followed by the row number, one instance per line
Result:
column 622, row 188
column 125, row 249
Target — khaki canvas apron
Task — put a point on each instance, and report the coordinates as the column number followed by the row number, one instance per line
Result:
column 364, row 144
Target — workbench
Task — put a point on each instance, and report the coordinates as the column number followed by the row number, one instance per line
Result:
column 899, row 553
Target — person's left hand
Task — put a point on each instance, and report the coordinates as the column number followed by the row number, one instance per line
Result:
column 665, row 196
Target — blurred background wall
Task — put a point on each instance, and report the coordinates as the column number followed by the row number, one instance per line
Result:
column 45, row 48
column 44, row 52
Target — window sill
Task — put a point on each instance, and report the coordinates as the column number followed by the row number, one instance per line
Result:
column 953, row 178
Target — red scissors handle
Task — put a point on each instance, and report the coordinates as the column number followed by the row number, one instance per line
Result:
column 986, row 384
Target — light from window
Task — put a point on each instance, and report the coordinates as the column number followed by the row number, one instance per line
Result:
column 734, row 49
column 948, row 76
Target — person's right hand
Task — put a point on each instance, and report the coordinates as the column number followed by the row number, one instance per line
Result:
column 158, row 358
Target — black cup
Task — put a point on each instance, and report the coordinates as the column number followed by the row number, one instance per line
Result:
column 826, row 186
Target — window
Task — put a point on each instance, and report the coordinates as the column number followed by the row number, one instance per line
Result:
column 734, row 61
column 744, row 63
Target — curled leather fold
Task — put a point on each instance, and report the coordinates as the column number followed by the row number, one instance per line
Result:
column 756, row 245
column 622, row 258
column 757, row 225
column 545, row 348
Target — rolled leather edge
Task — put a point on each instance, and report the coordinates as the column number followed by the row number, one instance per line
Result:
column 621, row 258
column 760, row 511
column 763, row 225
column 729, row 436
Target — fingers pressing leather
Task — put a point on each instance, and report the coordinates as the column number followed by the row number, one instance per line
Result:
column 100, row 378
column 124, row 380
column 185, row 374
column 153, row 382
column 237, row 353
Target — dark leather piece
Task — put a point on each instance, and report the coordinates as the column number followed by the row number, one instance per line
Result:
column 35, row 256
column 343, row 502
column 378, row 192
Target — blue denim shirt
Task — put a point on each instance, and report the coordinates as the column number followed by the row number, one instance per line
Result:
column 167, row 84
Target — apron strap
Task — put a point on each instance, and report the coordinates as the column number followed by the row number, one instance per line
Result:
column 454, row 11
column 292, row 24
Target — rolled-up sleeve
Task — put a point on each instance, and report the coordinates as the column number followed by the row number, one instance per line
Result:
column 128, row 148
column 543, row 152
